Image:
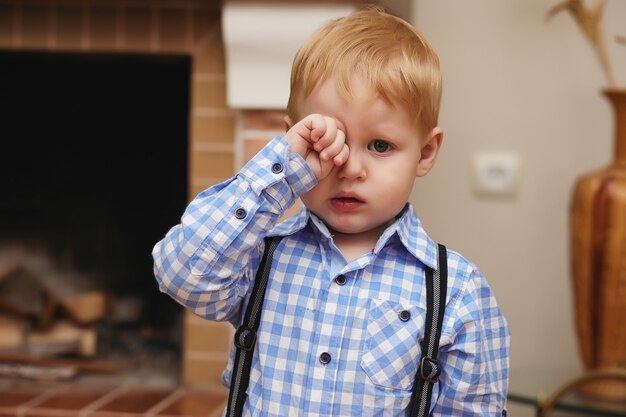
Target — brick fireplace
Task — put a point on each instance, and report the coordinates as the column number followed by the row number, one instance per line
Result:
column 151, row 27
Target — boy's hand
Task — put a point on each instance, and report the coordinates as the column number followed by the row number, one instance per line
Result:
column 320, row 142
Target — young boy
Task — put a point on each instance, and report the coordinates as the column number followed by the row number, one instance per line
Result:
column 345, row 306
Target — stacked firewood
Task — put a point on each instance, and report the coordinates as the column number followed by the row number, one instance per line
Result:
column 45, row 332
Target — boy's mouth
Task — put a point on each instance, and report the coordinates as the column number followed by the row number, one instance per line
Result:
column 346, row 202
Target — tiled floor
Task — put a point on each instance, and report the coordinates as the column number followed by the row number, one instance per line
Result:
column 122, row 400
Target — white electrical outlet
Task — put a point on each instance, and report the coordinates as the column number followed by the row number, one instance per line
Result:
column 496, row 173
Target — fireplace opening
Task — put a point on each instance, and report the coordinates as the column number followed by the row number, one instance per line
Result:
column 94, row 171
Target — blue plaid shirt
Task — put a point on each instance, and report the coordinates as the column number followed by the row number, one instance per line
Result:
column 331, row 341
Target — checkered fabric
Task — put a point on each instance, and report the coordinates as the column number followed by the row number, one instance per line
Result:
column 328, row 346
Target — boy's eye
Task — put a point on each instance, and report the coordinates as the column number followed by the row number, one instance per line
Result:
column 379, row 146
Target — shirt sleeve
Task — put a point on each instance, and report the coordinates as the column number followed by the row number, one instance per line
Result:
column 204, row 262
column 476, row 361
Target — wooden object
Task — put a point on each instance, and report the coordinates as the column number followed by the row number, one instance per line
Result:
column 616, row 375
column 61, row 338
column 86, row 307
column 5, row 271
column 39, row 373
column 81, row 365
column 22, row 295
column 12, row 333
column 589, row 21
column 598, row 260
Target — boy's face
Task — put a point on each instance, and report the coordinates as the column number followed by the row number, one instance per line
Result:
column 387, row 153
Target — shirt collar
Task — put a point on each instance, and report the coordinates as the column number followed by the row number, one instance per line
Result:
column 407, row 227
column 413, row 237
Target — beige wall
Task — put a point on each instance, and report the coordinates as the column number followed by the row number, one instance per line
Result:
column 514, row 82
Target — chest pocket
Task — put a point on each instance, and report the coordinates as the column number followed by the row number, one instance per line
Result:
column 391, row 352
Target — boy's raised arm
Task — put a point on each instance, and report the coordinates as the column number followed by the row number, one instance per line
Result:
column 206, row 261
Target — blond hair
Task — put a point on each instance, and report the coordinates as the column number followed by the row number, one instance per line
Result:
column 392, row 57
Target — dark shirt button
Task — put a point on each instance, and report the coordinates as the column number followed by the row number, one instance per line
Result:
column 325, row 358
column 405, row 315
column 277, row 168
column 240, row 213
column 340, row 280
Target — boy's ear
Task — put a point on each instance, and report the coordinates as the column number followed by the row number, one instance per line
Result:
column 288, row 123
column 430, row 149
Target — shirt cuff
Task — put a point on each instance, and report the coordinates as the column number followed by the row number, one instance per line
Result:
column 278, row 173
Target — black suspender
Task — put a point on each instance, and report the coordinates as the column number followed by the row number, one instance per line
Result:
column 427, row 373
column 245, row 336
column 429, row 369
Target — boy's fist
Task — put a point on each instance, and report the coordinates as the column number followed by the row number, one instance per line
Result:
column 320, row 142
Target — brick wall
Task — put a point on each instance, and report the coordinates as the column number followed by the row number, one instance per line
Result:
column 159, row 27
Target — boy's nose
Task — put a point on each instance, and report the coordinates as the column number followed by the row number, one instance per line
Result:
column 354, row 168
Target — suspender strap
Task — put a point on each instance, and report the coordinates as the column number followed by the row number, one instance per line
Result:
column 245, row 336
column 429, row 369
